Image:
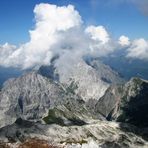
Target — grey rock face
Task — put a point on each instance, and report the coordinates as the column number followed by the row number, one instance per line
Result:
column 92, row 77
column 105, row 73
column 28, row 97
column 126, row 103
column 33, row 97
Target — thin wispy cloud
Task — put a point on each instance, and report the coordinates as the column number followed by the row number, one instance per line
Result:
column 142, row 6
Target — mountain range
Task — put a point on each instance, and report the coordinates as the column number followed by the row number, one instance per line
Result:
column 86, row 104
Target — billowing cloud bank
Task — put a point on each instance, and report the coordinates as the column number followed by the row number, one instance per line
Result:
column 60, row 31
column 138, row 49
column 51, row 22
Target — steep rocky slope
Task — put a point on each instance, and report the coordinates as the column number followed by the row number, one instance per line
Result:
column 126, row 103
column 33, row 97
column 90, row 77
column 37, row 98
column 29, row 97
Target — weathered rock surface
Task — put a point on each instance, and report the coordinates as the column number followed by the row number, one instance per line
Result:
column 28, row 97
column 66, row 106
column 126, row 103
column 33, row 97
column 99, row 134
column 90, row 78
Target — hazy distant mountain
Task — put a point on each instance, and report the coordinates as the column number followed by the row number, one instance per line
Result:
column 127, row 67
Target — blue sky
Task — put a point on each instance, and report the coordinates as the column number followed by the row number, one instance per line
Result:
column 17, row 18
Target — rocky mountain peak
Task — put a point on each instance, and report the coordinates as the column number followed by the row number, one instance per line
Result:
column 92, row 77
column 28, row 97
column 126, row 103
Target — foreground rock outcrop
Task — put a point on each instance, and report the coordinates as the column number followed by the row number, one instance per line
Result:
column 99, row 134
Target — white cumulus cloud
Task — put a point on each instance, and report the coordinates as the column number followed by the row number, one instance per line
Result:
column 124, row 41
column 138, row 49
column 59, row 30
column 51, row 22
column 98, row 33
column 6, row 51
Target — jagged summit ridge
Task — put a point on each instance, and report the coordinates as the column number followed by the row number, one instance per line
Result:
column 92, row 77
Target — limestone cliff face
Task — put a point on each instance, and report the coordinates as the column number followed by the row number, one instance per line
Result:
column 91, row 77
column 28, row 97
column 126, row 103
column 34, row 97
